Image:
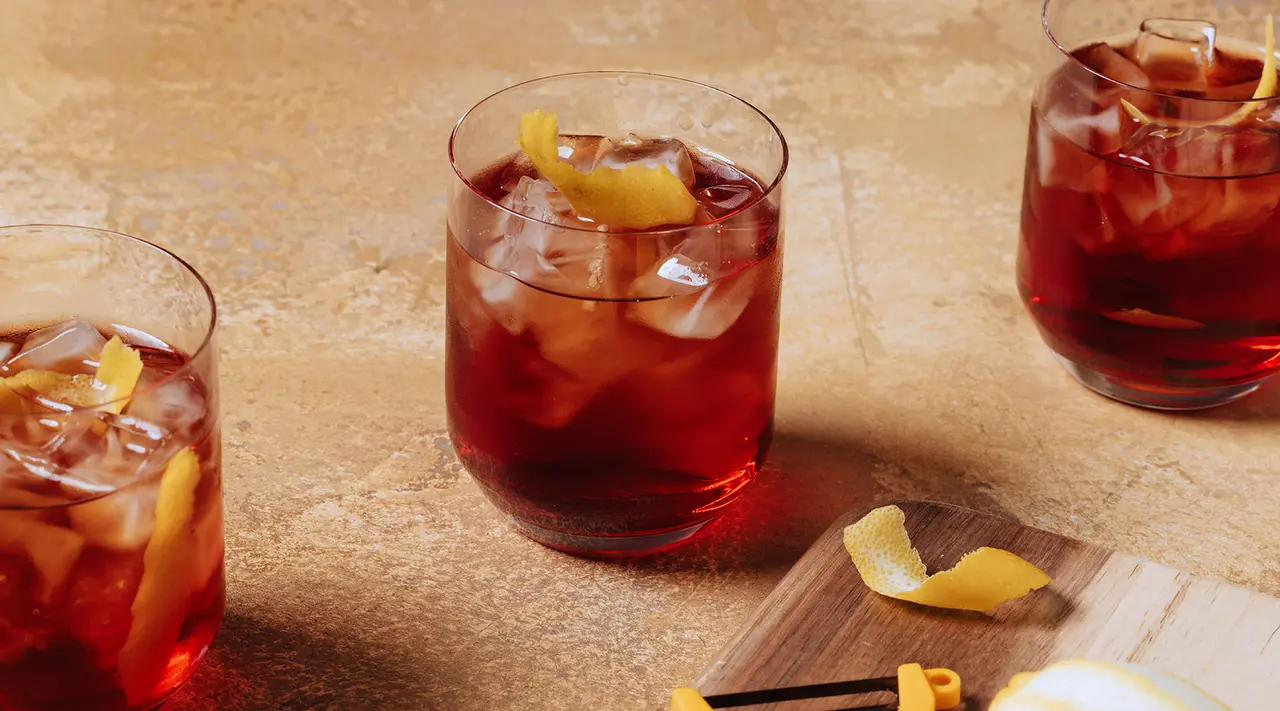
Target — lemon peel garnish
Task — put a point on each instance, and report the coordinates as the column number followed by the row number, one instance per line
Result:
column 108, row 389
column 1266, row 89
column 635, row 197
column 60, row 388
column 160, row 605
column 889, row 565
column 117, row 375
column 1086, row 685
column 119, row 367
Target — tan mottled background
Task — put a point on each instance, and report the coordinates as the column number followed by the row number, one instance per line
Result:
column 294, row 151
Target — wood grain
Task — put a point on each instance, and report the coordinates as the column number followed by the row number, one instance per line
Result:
column 822, row 624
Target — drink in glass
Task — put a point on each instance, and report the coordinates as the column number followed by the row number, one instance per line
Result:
column 1151, row 212
column 111, row 548
column 612, row 305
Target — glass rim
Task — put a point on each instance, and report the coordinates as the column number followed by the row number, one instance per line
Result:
column 1048, row 31
column 769, row 189
column 206, row 341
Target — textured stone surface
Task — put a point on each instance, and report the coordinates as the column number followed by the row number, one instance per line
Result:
column 294, row 151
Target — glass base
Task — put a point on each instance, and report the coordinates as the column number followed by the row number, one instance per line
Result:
column 609, row 546
column 1157, row 397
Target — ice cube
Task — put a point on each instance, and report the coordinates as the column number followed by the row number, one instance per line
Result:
column 176, row 407
column 36, row 426
column 1154, row 203
column 520, row 167
column 78, row 456
column 120, row 521
column 19, row 489
column 571, row 261
column 1199, row 188
column 705, row 313
column 1176, row 53
column 652, row 153
column 1237, row 72
column 1214, row 151
column 1105, row 60
column 583, row 152
column 1061, row 162
column 36, row 478
column 568, row 334
column 1100, row 133
column 7, row 350
column 539, row 199
column 70, row 347
column 53, row 550
column 676, row 274
column 1238, row 208
column 1245, row 151
column 49, row 449
column 498, row 294
column 707, row 253
column 581, row 347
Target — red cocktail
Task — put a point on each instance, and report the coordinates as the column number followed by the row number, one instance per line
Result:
column 611, row 386
column 111, row 548
column 1151, row 215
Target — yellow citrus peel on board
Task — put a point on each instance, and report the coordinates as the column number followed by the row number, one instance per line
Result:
column 889, row 565
column 1266, row 89
column 160, row 606
column 1085, row 685
column 634, row 197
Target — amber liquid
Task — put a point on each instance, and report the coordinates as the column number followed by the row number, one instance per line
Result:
column 59, row 648
column 659, row 448
column 1153, row 260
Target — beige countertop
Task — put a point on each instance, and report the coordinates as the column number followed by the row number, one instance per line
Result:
column 294, row 151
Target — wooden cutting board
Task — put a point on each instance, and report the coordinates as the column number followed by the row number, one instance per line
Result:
column 822, row 624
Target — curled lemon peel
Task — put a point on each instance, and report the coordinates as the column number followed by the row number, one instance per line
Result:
column 160, row 605
column 635, row 197
column 1266, row 89
column 61, row 388
column 119, row 367
column 1087, row 685
column 889, row 565
column 109, row 388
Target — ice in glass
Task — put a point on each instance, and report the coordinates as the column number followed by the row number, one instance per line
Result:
column 1151, row 214
column 111, row 547
column 613, row 313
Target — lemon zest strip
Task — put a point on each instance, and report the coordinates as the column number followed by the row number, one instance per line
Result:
column 983, row 580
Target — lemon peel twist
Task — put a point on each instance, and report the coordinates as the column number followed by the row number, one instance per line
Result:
column 109, row 389
column 982, row 580
column 634, row 197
